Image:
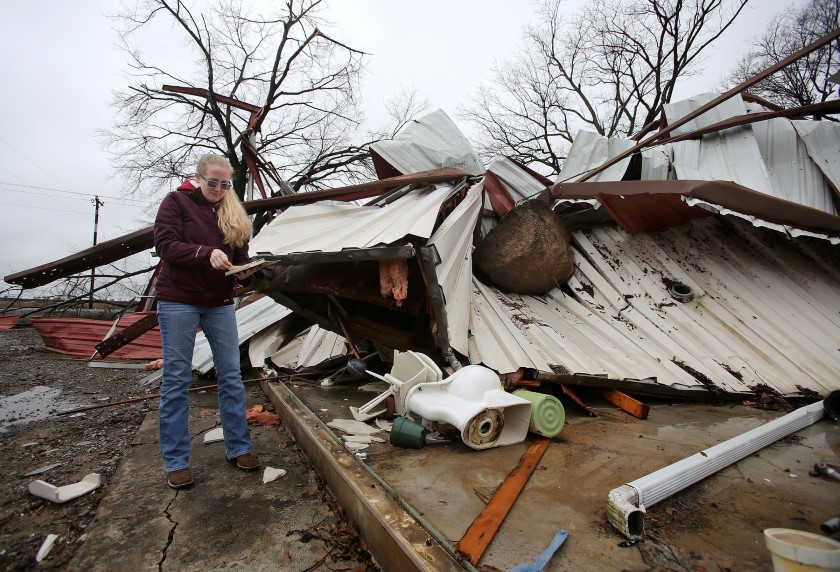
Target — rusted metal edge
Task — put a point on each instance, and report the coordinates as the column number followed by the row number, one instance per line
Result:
column 646, row 388
column 500, row 199
column 824, row 108
column 132, row 243
column 482, row 530
column 430, row 259
column 347, row 255
column 724, row 193
column 753, row 98
column 715, row 102
column 201, row 92
column 395, row 534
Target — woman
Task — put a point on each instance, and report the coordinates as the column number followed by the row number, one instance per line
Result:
column 199, row 232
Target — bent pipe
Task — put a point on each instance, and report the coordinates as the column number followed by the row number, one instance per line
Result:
column 626, row 504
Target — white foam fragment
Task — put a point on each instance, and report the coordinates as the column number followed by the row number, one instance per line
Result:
column 352, row 427
column 271, row 474
column 46, row 547
column 214, row 435
column 53, row 493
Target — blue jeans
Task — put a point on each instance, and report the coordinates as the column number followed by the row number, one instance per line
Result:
column 178, row 323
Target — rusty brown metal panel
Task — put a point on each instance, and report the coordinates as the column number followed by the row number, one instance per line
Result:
column 8, row 322
column 103, row 253
column 646, row 212
column 724, row 193
column 384, row 170
column 500, row 199
column 79, row 336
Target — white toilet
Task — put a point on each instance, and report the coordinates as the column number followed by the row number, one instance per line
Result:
column 471, row 399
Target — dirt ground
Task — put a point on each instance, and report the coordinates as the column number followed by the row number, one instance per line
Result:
column 35, row 384
column 34, row 437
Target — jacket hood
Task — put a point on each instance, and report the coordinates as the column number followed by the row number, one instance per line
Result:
column 194, row 192
column 188, row 185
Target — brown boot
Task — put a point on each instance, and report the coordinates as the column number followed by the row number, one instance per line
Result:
column 180, row 479
column 246, row 462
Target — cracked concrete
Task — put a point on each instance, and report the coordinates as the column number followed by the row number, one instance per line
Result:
column 227, row 519
column 171, row 531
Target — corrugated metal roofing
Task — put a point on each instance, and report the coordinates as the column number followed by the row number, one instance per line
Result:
column 782, row 158
column 793, row 174
column 730, row 155
column 519, row 183
column 430, row 142
column 732, row 107
column 79, row 336
column 331, row 228
column 8, row 322
column 250, row 320
column 822, row 139
column 310, row 348
column 766, row 311
column 590, row 150
column 453, row 240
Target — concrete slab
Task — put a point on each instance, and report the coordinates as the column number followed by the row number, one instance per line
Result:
column 397, row 537
column 228, row 519
column 715, row 524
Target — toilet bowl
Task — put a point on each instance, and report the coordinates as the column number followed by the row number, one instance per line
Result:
column 473, row 401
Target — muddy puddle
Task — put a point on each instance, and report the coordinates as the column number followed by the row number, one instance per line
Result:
column 37, row 403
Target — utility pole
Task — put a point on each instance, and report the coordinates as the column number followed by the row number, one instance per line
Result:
column 96, row 204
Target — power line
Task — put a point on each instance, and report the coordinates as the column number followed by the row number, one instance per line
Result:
column 12, row 174
column 76, row 192
column 58, row 198
column 82, row 197
column 44, row 208
column 22, row 154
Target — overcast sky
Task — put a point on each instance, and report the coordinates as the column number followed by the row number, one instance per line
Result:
column 59, row 66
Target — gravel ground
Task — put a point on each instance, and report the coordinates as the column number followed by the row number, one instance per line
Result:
column 35, row 384
column 33, row 437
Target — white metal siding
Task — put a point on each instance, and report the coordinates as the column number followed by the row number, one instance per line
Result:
column 766, row 310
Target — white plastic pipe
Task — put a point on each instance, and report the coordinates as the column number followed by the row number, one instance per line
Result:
column 626, row 504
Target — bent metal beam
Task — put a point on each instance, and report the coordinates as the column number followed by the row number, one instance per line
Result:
column 139, row 240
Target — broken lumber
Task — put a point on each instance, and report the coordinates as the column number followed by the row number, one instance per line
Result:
column 482, row 530
column 624, row 402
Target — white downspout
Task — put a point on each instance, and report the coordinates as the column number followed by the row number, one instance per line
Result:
column 626, row 504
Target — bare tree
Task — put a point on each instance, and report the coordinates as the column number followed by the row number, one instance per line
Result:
column 304, row 83
column 805, row 81
column 610, row 69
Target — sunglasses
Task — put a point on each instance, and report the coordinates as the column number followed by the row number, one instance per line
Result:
column 213, row 183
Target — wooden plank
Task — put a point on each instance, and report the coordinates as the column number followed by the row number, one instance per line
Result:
column 632, row 406
column 481, row 532
column 576, row 398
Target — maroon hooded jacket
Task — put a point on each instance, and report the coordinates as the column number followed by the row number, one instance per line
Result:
column 186, row 232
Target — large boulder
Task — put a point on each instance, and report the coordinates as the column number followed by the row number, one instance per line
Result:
column 529, row 251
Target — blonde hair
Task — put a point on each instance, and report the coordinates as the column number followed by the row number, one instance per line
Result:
column 234, row 223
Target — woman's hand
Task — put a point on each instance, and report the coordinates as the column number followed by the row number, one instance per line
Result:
column 219, row 260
